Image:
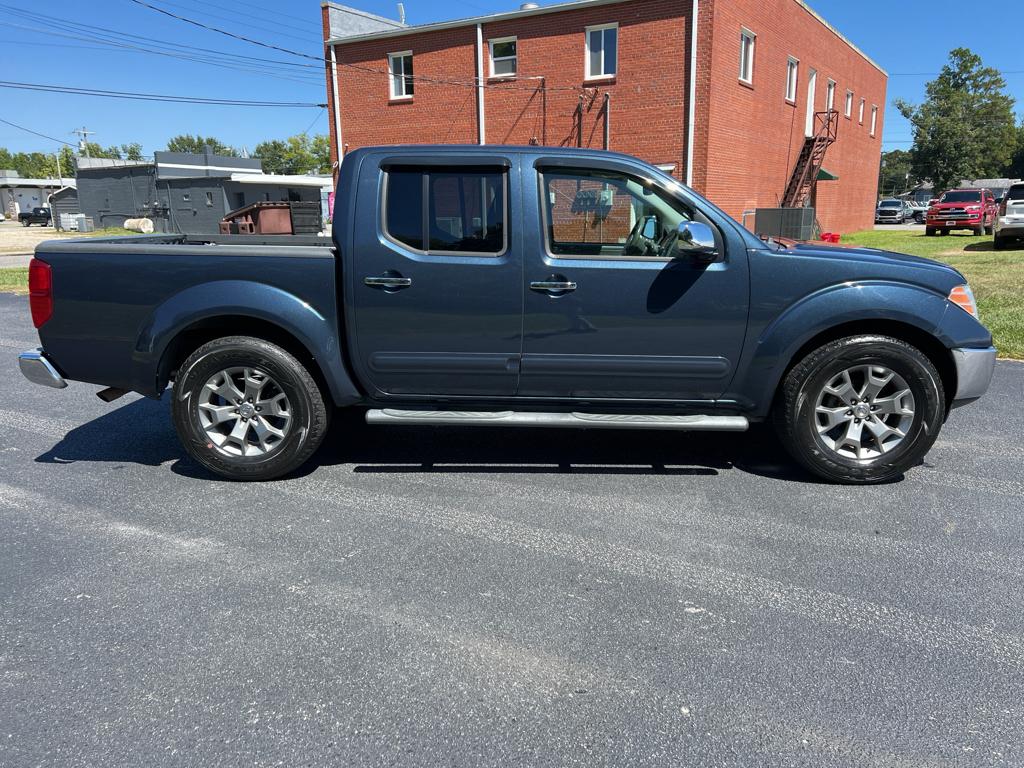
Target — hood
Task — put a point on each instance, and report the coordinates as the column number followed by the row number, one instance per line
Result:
column 935, row 274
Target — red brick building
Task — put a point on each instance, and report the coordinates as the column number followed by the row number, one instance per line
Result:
column 722, row 93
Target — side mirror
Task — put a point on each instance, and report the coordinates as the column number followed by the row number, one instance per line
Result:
column 698, row 240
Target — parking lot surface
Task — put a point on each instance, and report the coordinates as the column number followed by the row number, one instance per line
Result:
column 501, row 597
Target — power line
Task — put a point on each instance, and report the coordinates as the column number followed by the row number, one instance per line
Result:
column 248, row 22
column 474, row 83
column 105, row 33
column 37, row 133
column 936, row 74
column 131, row 95
column 201, row 25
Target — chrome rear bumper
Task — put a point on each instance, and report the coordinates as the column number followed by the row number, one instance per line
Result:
column 37, row 369
column 974, row 369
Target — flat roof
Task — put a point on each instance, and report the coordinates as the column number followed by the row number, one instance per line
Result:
column 556, row 8
column 288, row 180
column 19, row 181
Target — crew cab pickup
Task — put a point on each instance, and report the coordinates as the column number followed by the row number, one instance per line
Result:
column 35, row 216
column 515, row 287
column 973, row 209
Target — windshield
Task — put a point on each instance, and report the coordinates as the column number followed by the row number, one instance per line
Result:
column 1016, row 193
column 961, row 197
column 890, row 204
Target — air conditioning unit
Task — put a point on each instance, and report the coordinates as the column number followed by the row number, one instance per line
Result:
column 789, row 223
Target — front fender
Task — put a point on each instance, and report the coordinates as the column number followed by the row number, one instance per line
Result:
column 224, row 298
column 773, row 349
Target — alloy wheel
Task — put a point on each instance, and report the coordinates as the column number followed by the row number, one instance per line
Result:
column 244, row 412
column 863, row 412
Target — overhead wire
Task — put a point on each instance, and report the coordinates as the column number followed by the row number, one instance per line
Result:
column 136, row 96
column 37, row 133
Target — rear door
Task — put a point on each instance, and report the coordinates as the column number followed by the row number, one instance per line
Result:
column 629, row 321
column 436, row 300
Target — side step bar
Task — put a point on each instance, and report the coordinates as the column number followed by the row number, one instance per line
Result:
column 532, row 419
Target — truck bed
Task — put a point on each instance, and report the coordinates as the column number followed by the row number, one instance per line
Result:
column 120, row 301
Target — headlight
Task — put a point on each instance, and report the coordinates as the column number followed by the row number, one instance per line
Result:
column 963, row 297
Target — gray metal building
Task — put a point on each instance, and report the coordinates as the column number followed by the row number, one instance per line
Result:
column 183, row 192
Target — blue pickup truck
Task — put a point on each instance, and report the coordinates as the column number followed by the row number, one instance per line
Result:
column 515, row 286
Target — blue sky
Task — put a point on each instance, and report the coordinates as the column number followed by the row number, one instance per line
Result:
column 906, row 38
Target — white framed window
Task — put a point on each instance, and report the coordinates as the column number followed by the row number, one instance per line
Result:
column 792, row 75
column 860, row 112
column 874, row 118
column 400, row 68
column 602, row 43
column 830, row 95
column 848, row 109
column 504, row 59
column 747, row 39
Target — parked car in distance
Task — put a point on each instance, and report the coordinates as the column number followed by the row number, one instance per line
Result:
column 891, row 211
column 918, row 211
column 507, row 286
column 35, row 216
column 973, row 209
column 1009, row 224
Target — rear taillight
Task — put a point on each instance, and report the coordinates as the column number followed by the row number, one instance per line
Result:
column 40, row 291
column 1002, row 207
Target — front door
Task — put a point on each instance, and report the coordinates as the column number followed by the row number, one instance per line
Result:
column 436, row 298
column 613, row 308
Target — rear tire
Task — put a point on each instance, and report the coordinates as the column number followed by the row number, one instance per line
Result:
column 999, row 243
column 943, row 232
column 868, row 450
column 248, row 410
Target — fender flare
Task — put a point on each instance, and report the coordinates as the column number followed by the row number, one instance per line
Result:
column 222, row 298
column 875, row 301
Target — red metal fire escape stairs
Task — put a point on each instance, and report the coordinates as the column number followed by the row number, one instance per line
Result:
column 812, row 155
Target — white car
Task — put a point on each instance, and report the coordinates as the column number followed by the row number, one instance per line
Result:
column 1009, row 223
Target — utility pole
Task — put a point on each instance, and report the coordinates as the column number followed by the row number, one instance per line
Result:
column 83, row 143
column 60, row 175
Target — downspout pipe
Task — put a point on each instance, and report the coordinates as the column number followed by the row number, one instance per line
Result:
column 691, row 116
column 480, row 118
column 337, row 105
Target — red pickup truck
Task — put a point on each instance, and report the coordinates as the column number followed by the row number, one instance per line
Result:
column 973, row 209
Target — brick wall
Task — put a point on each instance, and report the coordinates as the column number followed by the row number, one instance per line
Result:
column 746, row 138
column 754, row 135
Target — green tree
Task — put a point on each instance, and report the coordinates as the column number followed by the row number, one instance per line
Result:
column 197, row 144
column 1015, row 170
column 966, row 127
column 296, row 154
column 896, row 174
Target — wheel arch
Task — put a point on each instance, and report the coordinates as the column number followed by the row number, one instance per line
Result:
column 240, row 308
column 930, row 346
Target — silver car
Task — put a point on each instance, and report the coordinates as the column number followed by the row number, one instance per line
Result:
column 1009, row 224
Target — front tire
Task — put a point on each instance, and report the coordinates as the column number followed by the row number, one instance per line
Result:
column 860, row 410
column 248, row 410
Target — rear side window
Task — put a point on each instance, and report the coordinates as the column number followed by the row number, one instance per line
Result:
column 447, row 211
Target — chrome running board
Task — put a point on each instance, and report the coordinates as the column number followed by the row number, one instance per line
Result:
column 532, row 419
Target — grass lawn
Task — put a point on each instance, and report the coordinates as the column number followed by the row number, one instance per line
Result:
column 14, row 280
column 996, row 277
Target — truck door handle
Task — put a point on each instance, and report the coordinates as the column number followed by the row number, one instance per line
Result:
column 388, row 281
column 559, row 286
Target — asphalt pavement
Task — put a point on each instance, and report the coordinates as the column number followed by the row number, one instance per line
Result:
column 479, row 597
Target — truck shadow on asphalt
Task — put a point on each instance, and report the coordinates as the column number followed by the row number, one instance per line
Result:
column 140, row 432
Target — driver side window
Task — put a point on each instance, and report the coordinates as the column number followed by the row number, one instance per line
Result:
column 604, row 214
